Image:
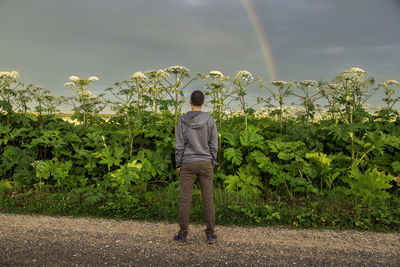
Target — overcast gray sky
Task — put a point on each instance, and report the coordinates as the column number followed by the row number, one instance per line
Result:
column 49, row 40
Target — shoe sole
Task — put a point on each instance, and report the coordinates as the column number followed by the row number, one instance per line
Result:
column 180, row 243
column 211, row 242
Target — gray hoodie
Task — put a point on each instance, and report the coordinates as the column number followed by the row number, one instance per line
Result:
column 196, row 138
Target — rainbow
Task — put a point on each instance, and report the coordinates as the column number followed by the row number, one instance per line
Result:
column 262, row 39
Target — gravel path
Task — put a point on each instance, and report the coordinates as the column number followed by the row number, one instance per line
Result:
column 65, row 241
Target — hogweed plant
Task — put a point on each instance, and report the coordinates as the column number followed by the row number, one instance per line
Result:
column 309, row 96
column 83, row 95
column 353, row 90
column 390, row 87
column 216, row 90
column 37, row 92
column 126, row 94
column 51, row 102
column 283, row 90
column 156, row 90
column 22, row 98
column 214, row 82
column 242, row 80
column 175, row 87
column 131, row 100
column 8, row 85
column 329, row 92
column 139, row 89
column 45, row 102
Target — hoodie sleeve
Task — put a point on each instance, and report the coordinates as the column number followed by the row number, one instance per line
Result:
column 179, row 144
column 213, row 142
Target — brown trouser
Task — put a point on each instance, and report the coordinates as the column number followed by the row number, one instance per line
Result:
column 188, row 173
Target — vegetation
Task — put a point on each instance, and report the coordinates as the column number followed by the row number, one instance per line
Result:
column 275, row 166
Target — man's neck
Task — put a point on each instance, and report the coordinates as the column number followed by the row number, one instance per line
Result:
column 196, row 108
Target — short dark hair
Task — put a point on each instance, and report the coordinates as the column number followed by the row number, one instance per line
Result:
column 197, row 98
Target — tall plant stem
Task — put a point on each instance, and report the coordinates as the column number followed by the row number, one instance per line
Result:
column 220, row 119
column 219, row 147
column 280, row 118
column 9, row 109
column 176, row 110
column 351, row 108
column 130, row 137
column 84, row 113
column 243, row 102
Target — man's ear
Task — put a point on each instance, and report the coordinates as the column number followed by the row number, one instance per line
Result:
column 191, row 102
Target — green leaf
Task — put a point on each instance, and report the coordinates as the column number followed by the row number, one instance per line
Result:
column 260, row 158
column 244, row 182
column 320, row 158
column 234, row 155
column 232, row 138
column 250, row 139
column 110, row 157
column 369, row 186
column 396, row 166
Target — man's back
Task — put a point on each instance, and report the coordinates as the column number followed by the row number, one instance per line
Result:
column 196, row 138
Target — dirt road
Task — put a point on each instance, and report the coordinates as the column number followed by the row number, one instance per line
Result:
column 64, row 241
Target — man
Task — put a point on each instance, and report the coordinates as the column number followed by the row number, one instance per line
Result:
column 196, row 143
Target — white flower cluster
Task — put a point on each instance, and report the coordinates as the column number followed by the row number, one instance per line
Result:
column 355, row 70
column 70, row 84
column 308, row 83
column 300, row 109
column 138, row 76
column 371, row 109
column 151, row 73
column 243, row 75
column 216, row 74
column 49, row 96
column 157, row 74
column 87, row 94
column 75, row 121
column 124, row 105
column 278, row 83
column 352, row 73
column 263, row 112
column 287, row 111
column 162, row 74
column 178, row 69
column 74, row 78
column 93, row 78
column 10, row 75
column 237, row 113
column 334, row 86
column 38, row 164
column 389, row 83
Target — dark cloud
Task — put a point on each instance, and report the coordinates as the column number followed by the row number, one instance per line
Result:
column 351, row 32
column 47, row 40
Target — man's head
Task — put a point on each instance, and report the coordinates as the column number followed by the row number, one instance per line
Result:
column 197, row 98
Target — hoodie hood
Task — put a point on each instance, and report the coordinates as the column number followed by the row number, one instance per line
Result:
column 195, row 119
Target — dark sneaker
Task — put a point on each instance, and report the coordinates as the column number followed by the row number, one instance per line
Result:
column 180, row 239
column 211, row 239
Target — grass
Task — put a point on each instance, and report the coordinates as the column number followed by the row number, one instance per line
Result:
column 325, row 212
